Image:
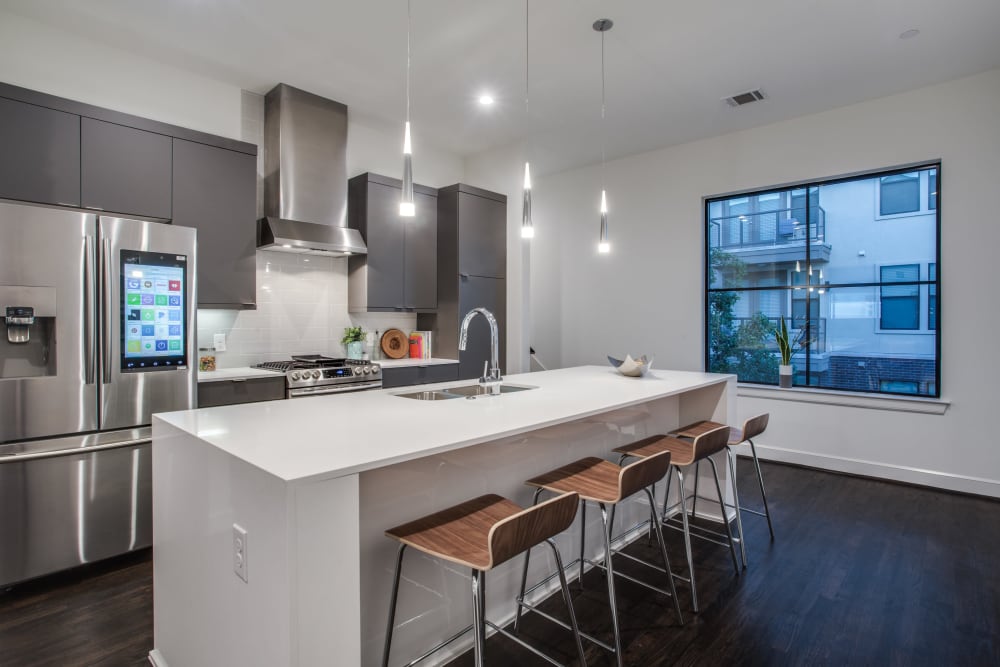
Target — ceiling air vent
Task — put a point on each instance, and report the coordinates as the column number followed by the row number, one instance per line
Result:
column 745, row 98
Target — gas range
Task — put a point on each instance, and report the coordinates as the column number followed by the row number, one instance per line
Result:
column 313, row 375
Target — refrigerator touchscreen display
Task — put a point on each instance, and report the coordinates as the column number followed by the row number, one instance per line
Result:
column 153, row 326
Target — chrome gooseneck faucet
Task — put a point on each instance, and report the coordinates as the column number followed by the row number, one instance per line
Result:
column 491, row 378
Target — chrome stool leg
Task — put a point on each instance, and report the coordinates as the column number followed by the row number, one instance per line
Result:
column 524, row 572
column 687, row 537
column 663, row 552
column 725, row 519
column 569, row 601
column 479, row 615
column 583, row 538
column 760, row 480
column 694, row 501
column 610, row 573
column 736, row 501
column 392, row 606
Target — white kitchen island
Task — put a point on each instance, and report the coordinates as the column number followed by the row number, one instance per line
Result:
column 316, row 481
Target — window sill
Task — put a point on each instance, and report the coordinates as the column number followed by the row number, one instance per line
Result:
column 928, row 406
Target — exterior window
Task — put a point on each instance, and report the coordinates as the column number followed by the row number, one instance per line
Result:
column 900, row 303
column 899, row 193
column 849, row 263
column 932, row 297
column 932, row 189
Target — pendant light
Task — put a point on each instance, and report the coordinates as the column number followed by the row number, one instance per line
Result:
column 527, row 228
column 603, row 243
column 407, row 208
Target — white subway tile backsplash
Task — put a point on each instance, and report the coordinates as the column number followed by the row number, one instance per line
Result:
column 301, row 309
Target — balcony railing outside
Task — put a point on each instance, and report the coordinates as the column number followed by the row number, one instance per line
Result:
column 818, row 335
column 767, row 228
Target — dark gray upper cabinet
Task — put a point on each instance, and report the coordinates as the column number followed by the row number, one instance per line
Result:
column 40, row 154
column 215, row 191
column 400, row 270
column 482, row 233
column 124, row 170
column 480, row 292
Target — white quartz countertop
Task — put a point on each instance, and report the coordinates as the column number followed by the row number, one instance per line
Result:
column 397, row 363
column 240, row 373
column 344, row 434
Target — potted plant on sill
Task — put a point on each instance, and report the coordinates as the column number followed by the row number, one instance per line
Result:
column 353, row 341
column 786, row 347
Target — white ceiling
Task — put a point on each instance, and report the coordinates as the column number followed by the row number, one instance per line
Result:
column 669, row 63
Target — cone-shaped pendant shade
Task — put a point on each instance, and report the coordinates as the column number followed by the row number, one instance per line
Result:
column 527, row 229
column 603, row 244
column 407, row 208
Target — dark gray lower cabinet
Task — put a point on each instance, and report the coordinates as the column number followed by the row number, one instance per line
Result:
column 215, row 192
column 124, row 170
column 232, row 392
column 405, row 376
column 39, row 154
column 489, row 293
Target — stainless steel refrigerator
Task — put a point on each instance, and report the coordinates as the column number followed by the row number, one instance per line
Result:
column 98, row 316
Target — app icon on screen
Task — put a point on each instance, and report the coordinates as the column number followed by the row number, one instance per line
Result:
column 148, row 314
column 175, row 300
column 148, row 284
column 147, row 299
column 161, row 346
column 148, row 345
column 134, row 331
column 133, row 299
column 161, row 299
column 175, row 330
column 161, row 285
column 161, row 331
column 175, row 345
column 132, row 283
column 133, row 345
column 148, row 330
column 161, row 315
column 134, row 314
column 175, row 286
column 174, row 315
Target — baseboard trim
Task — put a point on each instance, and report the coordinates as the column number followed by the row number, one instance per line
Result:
column 156, row 659
column 978, row 486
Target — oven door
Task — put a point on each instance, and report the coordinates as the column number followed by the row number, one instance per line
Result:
column 303, row 392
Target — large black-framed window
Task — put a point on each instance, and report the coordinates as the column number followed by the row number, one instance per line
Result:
column 853, row 266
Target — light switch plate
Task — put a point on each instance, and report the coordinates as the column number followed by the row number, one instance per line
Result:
column 219, row 342
column 240, row 552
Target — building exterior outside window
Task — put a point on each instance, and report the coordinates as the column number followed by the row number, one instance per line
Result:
column 852, row 264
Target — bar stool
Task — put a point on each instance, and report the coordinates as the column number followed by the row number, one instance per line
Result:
column 685, row 453
column 752, row 428
column 604, row 483
column 481, row 534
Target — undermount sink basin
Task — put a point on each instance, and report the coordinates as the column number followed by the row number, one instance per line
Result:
column 464, row 391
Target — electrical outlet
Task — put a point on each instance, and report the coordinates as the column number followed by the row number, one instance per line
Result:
column 240, row 552
column 219, row 342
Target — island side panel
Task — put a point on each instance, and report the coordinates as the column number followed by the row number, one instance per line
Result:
column 326, row 627
column 204, row 614
column 434, row 598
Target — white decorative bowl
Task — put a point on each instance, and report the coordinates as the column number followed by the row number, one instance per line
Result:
column 633, row 368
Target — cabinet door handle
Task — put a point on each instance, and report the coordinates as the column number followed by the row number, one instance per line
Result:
column 238, row 380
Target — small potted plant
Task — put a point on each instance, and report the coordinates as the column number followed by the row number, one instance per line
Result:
column 786, row 347
column 353, row 340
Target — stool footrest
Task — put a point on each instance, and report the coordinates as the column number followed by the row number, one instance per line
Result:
column 438, row 647
column 523, row 643
column 699, row 532
column 591, row 639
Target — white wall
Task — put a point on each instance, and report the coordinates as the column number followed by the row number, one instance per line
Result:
column 647, row 295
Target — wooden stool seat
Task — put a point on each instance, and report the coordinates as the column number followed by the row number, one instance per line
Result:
column 681, row 451
column 593, row 478
column 459, row 534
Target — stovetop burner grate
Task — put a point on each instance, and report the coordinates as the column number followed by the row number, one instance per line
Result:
column 306, row 361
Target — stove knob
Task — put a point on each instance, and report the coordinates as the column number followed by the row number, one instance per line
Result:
column 316, row 375
column 357, row 370
column 367, row 370
column 376, row 370
column 295, row 376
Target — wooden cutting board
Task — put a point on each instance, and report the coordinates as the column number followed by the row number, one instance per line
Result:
column 395, row 344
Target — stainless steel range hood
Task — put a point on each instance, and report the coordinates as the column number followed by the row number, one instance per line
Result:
column 305, row 176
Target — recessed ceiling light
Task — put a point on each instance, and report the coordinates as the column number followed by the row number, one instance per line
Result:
column 912, row 32
column 486, row 99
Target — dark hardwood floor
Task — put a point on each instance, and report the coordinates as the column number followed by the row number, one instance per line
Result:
column 862, row 573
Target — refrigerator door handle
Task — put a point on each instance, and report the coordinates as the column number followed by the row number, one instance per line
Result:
column 89, row 288
column 106, row 311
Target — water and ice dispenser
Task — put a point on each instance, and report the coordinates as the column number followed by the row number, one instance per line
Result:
column 29, row 318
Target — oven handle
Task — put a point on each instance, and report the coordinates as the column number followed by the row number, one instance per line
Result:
column 319, row 391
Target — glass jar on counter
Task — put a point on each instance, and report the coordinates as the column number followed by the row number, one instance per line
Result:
column 206, row 359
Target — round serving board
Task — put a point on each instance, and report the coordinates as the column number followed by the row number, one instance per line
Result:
column 395, row 344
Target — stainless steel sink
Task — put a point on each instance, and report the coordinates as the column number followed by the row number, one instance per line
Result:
column 469, row 391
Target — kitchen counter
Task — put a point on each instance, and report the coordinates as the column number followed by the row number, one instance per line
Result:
column 239, row 373
column 399, row 363
column 314, row 483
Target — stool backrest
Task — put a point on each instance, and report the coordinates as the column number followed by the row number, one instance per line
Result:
column 711, row 442
column 755, row 426
column 644, row 472
column 519, row 532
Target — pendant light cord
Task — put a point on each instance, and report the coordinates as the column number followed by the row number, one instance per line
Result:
column 526, row 55
column 604, row 124
column 408, row 61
